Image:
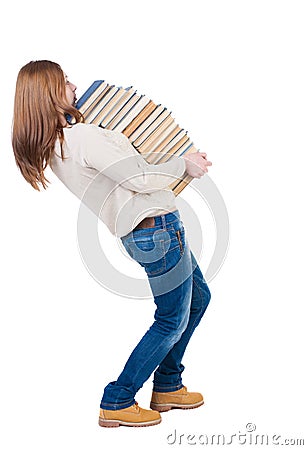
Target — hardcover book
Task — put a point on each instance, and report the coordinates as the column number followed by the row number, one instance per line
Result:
column 150, row 127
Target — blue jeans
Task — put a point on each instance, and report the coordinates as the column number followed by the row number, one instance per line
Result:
column 181, row 297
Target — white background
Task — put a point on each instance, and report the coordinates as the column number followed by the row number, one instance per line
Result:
column 235, row 74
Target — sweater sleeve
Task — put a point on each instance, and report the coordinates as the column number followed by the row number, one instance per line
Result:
column 111, row 153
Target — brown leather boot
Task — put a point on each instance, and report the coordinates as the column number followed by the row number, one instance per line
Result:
column 164, row 401
column 133, row 416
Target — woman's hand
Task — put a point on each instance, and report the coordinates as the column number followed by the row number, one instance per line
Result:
column 196, row 164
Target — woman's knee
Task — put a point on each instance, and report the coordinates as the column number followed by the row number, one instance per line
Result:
column 207, row 295
column 201, row 296
column 177, row 332
column 173, row 327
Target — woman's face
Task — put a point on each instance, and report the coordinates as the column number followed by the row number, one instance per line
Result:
column 70, row 91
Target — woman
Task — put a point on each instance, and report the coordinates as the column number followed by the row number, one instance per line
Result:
column 132, row 198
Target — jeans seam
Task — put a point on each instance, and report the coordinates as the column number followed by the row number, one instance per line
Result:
column 201, row 313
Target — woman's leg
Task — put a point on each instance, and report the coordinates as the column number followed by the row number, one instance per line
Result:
column 168, row 265
column 168, row 374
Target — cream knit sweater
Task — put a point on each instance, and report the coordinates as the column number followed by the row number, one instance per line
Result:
column 106, row 172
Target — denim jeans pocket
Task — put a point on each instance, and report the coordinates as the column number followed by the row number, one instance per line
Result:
column 149, row 251
column 179, row 231
column 181, row 240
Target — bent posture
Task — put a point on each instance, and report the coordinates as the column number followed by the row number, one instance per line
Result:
column 134, row 201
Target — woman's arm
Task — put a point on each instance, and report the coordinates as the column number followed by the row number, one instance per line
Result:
column 111, row 152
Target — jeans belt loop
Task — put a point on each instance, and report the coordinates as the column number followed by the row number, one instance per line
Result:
column 163, row 219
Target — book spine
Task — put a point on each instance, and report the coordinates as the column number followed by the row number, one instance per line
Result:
column 88, row 93
column 149, row 127
column 142, row 116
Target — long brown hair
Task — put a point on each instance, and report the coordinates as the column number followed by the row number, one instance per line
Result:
column 40, row 104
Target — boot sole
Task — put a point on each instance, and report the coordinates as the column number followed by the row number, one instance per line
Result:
column 116, row 423
column 163, row 407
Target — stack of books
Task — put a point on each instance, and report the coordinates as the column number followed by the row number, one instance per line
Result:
column 148, row 126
